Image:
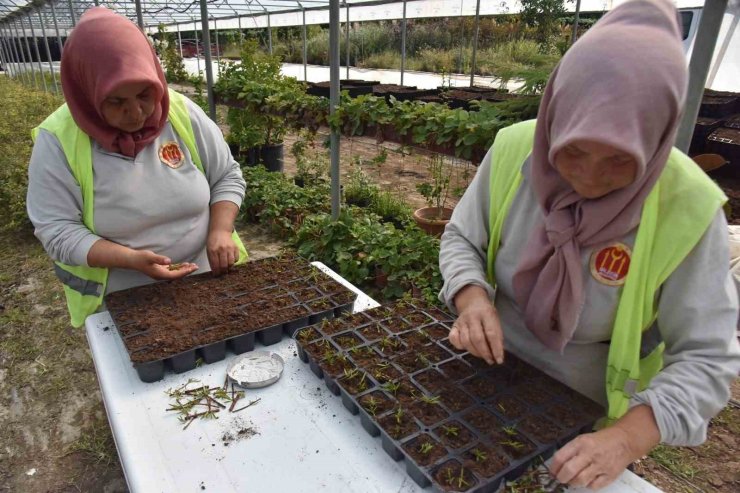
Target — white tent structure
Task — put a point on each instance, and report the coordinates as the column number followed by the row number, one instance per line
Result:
column 23, row 23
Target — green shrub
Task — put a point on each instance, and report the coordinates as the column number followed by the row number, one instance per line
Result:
column 23, row 109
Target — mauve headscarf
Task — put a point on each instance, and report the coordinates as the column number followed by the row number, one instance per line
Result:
column 104, row 51
column 622, row 84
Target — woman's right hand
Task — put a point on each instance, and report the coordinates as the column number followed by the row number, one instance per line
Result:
column 158, row 267
column 477, row 328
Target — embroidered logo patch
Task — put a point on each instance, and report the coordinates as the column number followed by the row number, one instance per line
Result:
column 171, row 154
column 610, row 264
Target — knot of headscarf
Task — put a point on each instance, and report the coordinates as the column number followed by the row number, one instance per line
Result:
column 622, row 84
column 104, row 51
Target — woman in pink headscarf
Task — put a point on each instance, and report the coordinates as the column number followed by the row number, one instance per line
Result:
column 603, row 249
column 118, row 182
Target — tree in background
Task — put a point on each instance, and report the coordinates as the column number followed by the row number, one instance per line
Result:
column 545, row 17
column 174, row 68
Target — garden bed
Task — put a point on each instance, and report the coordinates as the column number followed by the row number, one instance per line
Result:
column 458, row 423
column 198, row 317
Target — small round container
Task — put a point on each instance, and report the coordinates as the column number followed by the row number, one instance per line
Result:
column 256, row 369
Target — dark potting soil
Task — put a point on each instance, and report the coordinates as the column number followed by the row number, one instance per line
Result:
column 414, row 340
column 431, row 379
column 331, row 327
column 428, row 413
column 364, row 356
column 163, row 319
column 397, row 325
column 484, row 460
column 398, row 426
column 452, row 476
column 411, row 362
column 358, row 382
column 390, row 346
column 456, row 369
column 347, row 341
column 372, row 332
column 454, row 435
column 307, row 335
column 375, row 403
column 539, row 428
column 507, row 406
column 480, row 387
column 335, row 365
column 425, row 450
column 437, row 331
column 384, row 372
column 455, row 399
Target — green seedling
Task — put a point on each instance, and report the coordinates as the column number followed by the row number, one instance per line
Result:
column 461, row 479
column 513, row 444
column 509, row 430
column 450, row 476
column 392, row 387
column 371, row 405
column 479, row 455
column 422, row 358
column 350, row 373
column 426, row 447
column 398, row 415
column 429, row 399
column 450, row 431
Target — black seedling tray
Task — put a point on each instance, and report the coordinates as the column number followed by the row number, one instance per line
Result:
column 399, row 357
column 232, row 311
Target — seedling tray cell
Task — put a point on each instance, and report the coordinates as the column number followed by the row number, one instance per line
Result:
column 174, row 324
column 437, row 409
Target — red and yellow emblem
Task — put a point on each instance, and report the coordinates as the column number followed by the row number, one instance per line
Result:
column 171, row 154
column 611, row 264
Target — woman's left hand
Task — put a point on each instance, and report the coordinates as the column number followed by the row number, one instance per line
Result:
column 222, row 251
column 595, row 460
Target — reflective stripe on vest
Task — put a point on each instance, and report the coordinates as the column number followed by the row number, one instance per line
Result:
column 675, row 215
column 82, row 286
column 85, row 286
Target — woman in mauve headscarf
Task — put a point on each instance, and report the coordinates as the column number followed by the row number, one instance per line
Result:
column 114, row 185
column 612, row 243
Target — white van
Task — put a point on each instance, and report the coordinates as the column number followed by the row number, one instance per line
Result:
column 724, row 72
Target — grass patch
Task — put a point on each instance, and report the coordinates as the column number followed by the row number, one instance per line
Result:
column 96, row 444
column 674, row 459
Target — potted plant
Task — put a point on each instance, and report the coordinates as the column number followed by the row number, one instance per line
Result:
column 435, row 216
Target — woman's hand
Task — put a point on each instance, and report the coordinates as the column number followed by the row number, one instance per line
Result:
column 158, row 267
column 478, row 328
column 595, row 460
column 222, row 251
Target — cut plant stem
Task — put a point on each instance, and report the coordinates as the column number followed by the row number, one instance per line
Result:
column 248, row 405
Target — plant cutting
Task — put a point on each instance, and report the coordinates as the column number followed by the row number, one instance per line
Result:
column 434, row 217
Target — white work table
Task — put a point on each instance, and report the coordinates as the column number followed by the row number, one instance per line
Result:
column 306, row 440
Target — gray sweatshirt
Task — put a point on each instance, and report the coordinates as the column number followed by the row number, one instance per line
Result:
column 139, row 202
column 697, row 313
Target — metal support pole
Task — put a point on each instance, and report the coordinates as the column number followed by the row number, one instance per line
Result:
column 7, row 55
column 197, row 49
column 574, row 35
column 48, row 53
column 269, row 34
column 139, row 15
column 56, row 27
column 97, row 3
column 36, row 51
column 3, row 58
column 15, row 45
column 403, row 41
column 207, row 50
column 26, row 74
column 346, row 41
column 305, row 49
column 701, row 58
column 179, row 39
column 72, row 13
column 30, row 56
column 334, row 102
column 475, row 42
column 241, row 33
column 218, row 48
column 14, row 54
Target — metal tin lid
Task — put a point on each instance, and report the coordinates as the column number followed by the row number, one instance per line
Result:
column 256, row 369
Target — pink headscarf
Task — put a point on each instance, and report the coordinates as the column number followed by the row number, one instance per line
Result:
column 103, row 52
column 622, row 84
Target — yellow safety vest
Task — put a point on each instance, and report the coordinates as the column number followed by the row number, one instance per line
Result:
column 84, row 287
column 675, row 216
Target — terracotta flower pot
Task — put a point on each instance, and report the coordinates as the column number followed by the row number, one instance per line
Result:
column 433, row 219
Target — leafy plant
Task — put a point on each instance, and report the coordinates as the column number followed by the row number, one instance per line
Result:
column 426, row 448
column 450, row 431
column 436, row 191
column 426, row 399
column 479, row 455
column 174, row 68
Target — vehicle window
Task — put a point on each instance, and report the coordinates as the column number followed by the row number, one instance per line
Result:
column 686, row 18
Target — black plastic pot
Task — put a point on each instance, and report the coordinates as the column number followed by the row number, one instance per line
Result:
column 271, row 156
